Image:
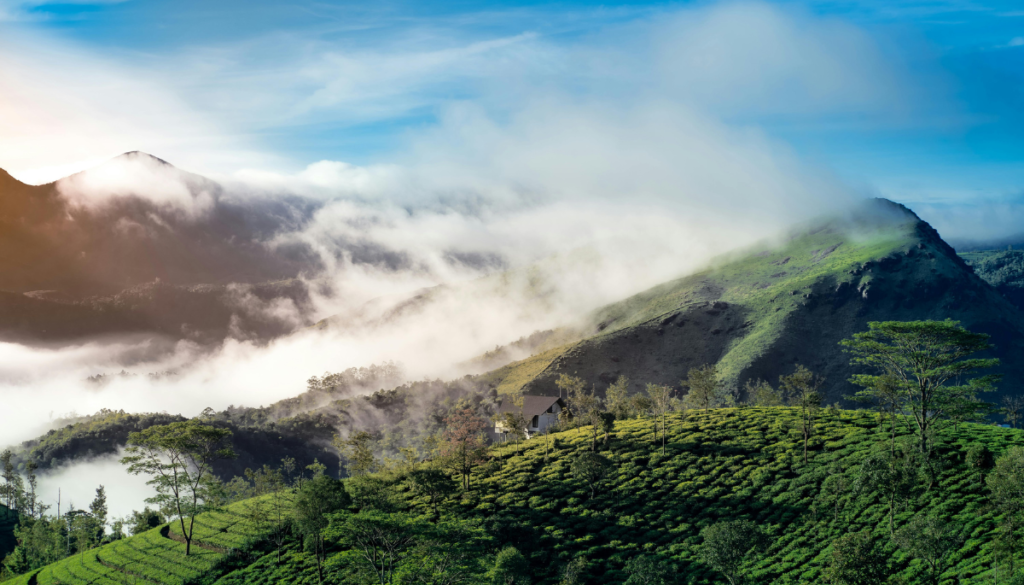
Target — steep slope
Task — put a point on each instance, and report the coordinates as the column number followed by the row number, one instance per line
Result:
column 756, row 315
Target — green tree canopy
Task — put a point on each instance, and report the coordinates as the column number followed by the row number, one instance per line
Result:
column 316, row 499
column 728, row 545
column 433, row 484
column 591, row 468
column 930, row 539
column 178, row 458
column 856, row 560
column 510, row 568
column 382, row 541
column 706, row 390
column 926, row 365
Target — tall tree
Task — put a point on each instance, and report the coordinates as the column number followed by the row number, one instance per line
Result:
column 760, row 393
column 316, row 499
column 178, row 458
column 510, row 568
column 98, row 510
column 856, row 560
column 930, row 539
column 569, row 385
column 893, row 478
column 433, row 484
column 12, row 490
column 646, row 570
column 448, row 553
column 640, row 405
column 35, row 508
column 1013, row 407
column 383, row 540
column 514, row 423
column 591, row 468
column 1006, row 486
column 616, row 398
column 930, row 364
column 706, row 390
column 834, row 493
column 802, row 388
column 661, row 403
column 575, row 572
column 463, row 444
column 357, row 450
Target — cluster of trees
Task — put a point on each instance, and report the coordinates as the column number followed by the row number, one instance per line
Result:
column 43, row 538
column 585, row 408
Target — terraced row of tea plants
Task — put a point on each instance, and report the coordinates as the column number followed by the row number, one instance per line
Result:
column 722, row 465
column 726, row 464
column 220, row 538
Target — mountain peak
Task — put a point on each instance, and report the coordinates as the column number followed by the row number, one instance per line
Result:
column 139, row 156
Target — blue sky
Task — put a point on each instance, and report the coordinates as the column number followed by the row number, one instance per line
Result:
column 920, row 101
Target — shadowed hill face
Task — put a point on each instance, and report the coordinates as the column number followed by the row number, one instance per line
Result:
column 137, row 245
column 75, row 237
column 759, row 315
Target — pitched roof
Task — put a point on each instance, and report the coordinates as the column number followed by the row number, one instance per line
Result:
column 532, row 405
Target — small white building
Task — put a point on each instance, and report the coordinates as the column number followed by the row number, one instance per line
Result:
column 540, row 412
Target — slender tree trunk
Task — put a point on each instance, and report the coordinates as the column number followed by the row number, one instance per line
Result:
column 806, row 436
column 663, row 433
column 319, row 563
column 892, row 444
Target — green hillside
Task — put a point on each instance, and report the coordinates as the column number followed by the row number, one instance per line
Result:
column 759, row 312
column 723, row 465
column 221, row 538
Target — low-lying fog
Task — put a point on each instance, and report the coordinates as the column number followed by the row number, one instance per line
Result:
column 76, row 485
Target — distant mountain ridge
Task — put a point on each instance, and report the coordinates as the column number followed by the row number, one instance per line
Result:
column 49, row 243
column 758, row 314
column 130, row 263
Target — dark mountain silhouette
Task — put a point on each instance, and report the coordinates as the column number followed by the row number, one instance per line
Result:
column 76, row 264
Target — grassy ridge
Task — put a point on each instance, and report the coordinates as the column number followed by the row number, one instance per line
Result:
column 769, row 284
